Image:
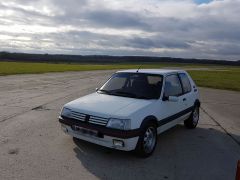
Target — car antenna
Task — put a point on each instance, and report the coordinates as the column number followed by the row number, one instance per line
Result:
column 138, row 69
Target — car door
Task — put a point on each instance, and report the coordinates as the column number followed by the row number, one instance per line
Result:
column 188, row 98
column 170, row 111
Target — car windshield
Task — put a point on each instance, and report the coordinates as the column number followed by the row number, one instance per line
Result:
column 133, row 85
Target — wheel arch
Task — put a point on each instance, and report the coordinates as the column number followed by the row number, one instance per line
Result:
column 148, row 119
column 197, row 103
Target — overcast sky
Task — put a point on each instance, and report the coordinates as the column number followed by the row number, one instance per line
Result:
column 176, row 28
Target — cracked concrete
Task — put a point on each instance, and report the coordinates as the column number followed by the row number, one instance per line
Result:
column 32, row 145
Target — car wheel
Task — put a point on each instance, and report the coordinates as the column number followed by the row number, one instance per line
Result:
column 192, row 121
column 147, row 140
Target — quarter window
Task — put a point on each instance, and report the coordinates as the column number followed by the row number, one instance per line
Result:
column 172, row 86
column 185, row 82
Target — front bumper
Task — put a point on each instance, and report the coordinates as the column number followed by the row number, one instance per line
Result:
column 106, row 135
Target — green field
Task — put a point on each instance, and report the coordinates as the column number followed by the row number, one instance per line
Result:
column 225, row 78
column 219, row 77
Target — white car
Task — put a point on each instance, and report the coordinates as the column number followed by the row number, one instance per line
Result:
column 132, row 108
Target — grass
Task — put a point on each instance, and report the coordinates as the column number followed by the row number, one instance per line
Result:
column 8, row 68
column 228, row 78
column 218, row 77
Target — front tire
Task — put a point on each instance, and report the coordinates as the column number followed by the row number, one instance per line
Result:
column 192, row 121
column 147, row 140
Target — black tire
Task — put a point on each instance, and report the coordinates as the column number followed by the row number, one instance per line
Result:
column 192, row 121
column 141, row 149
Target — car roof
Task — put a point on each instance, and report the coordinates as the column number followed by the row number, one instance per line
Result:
column 152, row 71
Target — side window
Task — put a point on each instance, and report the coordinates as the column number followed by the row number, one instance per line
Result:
column 172, row 86
column 185, row 82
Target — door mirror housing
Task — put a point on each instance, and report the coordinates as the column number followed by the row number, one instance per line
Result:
column 173, row 98
column 170, row 98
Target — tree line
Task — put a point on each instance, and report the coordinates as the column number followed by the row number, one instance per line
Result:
column 61, row 58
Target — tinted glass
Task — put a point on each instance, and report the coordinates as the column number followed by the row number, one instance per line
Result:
column 116, row 82
column 134, row 85
column 185, row 82
column 172, row 86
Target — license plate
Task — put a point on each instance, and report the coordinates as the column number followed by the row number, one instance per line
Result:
column 84, row 130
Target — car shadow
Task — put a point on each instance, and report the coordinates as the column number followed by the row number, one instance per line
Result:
column 180, row 154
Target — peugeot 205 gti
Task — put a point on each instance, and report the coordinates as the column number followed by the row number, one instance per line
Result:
column 132, row 108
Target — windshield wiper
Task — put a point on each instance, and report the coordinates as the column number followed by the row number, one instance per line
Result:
column 128, row 94
column 123, row 93
column 144, row 97
column 104, row 91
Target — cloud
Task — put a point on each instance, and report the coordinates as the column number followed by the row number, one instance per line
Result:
column 192, row 29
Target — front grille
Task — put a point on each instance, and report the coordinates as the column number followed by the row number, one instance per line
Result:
column 78, row 116
column 92, row 119
column 98, row 120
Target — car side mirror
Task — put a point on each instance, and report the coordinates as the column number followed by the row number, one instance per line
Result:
column 170, row 98
column 173, row 98
column 96, row 89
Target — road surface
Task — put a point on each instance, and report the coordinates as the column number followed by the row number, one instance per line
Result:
column 32, row 145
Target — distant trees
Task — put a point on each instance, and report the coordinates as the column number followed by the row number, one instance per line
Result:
column 60, row 58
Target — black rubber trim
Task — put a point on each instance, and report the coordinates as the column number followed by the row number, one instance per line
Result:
column 175, row 116
column 123, row 134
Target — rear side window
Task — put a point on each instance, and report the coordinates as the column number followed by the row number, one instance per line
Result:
column 172, row 86
column 185, row 82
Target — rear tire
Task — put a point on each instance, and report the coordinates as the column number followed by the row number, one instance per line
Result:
column 147, row 140
column 192, row 121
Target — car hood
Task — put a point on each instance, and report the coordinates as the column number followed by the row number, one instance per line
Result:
column 107, row 105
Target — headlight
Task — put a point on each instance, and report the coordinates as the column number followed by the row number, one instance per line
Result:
column 123, row 124
column 66, row 112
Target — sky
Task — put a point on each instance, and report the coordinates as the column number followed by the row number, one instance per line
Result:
column 176, row 28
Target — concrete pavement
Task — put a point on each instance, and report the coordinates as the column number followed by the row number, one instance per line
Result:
column 224, row 108
column 32, row 145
